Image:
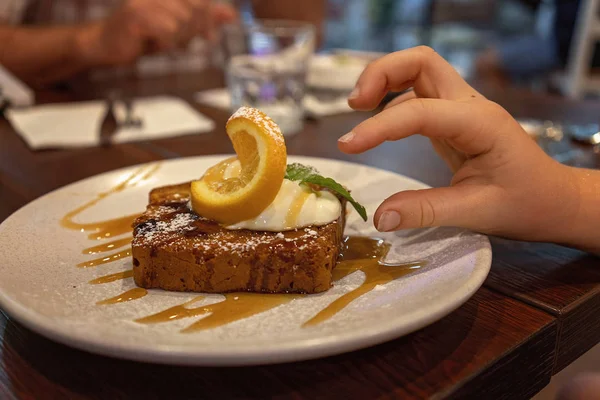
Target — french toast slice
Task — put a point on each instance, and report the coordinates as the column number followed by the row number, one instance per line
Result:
column 173, row 248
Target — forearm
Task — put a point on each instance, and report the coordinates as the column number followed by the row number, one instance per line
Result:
column 44, row 55
column 312, row 11
column 584, row 230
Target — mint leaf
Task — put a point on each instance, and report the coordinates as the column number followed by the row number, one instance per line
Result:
column 297, row 172
column 305, row 174
column 339, row 189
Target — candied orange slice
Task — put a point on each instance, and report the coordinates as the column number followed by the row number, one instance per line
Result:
column 231, row 193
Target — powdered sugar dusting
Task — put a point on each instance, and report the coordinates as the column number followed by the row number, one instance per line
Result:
column 172, row 225
column 228, row 242
column 159, row 211
column 310, row 232
column 176, row 227
column 260, row 119
column 150, row 229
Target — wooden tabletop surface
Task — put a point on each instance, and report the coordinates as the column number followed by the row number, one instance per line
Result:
column 531, row 318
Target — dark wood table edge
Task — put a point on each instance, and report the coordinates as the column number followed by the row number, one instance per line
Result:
column 480, row 385
column 487, row 382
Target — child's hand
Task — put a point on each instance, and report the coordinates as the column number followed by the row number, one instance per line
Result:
column 504, row 184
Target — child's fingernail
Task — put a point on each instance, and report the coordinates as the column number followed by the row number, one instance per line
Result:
column 354, row 93
column 388, row 221
column 347, row 137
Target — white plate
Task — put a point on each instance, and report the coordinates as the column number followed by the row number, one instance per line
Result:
column 41, row 286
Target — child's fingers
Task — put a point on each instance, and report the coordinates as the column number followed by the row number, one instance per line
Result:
column 401, row 99
column 456, row 122
column 465, row 206
column 419, row 67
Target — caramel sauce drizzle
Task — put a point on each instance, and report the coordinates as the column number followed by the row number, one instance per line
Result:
column 238, row 306
column 108, row 246
column 105, row 260
column 129, row 295
column 361, row 254
column 174, row 313
column 112, row 277
column 295, row 207
column 358, row 254
column 235, row 307
column 113, row 227
column 106, row 229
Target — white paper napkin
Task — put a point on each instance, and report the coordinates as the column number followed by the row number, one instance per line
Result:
column 77, row 124
column 313, row 106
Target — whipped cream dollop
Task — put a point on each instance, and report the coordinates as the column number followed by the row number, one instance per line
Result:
column 295, row 206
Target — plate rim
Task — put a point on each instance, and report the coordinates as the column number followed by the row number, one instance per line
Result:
column 298, row 350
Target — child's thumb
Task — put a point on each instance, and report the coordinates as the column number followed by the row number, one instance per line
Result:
column 463, row 206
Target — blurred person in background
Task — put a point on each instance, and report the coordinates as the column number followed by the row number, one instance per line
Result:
column 48, row 41
column 528, row 56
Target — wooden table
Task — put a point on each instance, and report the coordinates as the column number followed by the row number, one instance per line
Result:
column 535, row 314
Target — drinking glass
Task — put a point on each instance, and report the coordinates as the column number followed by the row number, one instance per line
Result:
column 266, row 67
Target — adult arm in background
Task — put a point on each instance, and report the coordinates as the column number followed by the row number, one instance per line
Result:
column 44, row 55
